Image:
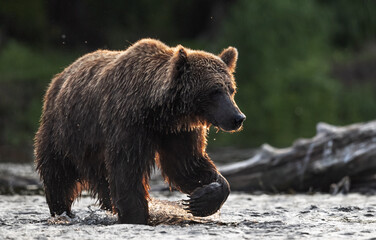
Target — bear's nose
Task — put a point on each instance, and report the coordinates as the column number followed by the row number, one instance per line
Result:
column 239, row 119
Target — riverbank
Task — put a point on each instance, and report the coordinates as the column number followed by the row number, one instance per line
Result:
column 244, row 216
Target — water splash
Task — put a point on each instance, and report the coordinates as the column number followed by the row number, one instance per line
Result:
column 61, row 219
column 162, row 212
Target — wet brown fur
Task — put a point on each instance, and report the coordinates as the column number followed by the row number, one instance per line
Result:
column 108, row 116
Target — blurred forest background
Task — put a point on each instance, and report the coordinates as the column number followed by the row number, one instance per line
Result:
column 300, row 62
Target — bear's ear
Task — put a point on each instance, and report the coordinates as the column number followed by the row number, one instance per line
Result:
column 229, row 56
column 179, row 62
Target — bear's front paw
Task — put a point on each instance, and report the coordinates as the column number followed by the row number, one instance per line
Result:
column 207, row 200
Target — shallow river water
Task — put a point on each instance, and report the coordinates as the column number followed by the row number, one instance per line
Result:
column 243, row 216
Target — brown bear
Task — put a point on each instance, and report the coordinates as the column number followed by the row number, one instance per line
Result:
column 111, row 115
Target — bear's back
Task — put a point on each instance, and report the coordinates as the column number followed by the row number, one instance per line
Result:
column 89, row 65
column 145, row 57
column 109, row 83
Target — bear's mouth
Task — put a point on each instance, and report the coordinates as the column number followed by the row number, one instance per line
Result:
column 227, row 127
column 218, row 127
column 215, row 124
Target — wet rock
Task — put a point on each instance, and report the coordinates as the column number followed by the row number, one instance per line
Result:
column 347, row 209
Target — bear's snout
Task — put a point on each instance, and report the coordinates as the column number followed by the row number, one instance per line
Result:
column 225, row 114
column 238, row 120
column 234, row 123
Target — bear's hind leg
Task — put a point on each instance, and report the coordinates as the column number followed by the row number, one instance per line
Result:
column 101, row 189
column 60, row 185
column 104, row 196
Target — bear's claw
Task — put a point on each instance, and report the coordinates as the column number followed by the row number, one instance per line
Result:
column 206, row 200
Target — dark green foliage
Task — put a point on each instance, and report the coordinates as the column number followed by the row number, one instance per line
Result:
column 25, row 75
column 24, row 19
column 352, row 22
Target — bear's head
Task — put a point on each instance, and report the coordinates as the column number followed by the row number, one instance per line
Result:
column 207, row 87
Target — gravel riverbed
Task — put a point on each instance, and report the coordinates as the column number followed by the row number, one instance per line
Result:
column 243, row 216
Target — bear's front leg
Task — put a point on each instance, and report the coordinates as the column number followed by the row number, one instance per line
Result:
column 208, row 199
column 128, row 187
column 132, row 208
column 186, row 166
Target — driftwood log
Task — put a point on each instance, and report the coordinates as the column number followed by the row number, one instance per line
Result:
column 337, row 159
column 19, row 179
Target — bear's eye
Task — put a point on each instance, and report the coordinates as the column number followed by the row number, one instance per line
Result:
column 231, row 90
column 216, row 92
